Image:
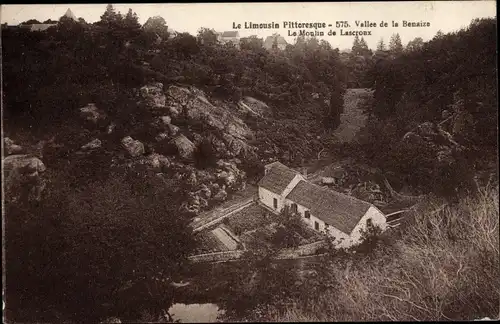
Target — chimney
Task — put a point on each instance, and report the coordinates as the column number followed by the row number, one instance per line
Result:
column 304, row 172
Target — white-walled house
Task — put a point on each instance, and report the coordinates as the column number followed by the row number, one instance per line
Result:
column 342, row 216
column 276, row 184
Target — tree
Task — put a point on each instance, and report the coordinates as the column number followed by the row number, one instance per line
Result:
column 30, row 22
column 415, row 45
column 363, row 48
column 251, row 43
column 110, row 17
column 157, row 25
column 381, row 45
column 355, row 45
column 131, row 21
column 207, row 36
column 290, row 226
column 439, row 34
column 395, row 45
column 186, row 45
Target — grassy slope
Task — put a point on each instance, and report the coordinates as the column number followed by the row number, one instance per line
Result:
column 445, row 266
column 352, row 119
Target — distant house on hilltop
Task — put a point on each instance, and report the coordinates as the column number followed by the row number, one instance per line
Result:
column 43, row 27
column 341, row 216
column 271, row 40
column 232, row 36
column 70, row 14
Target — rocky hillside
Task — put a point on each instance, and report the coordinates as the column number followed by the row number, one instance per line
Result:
column 183, row 135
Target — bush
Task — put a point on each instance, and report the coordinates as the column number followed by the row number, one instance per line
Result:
column 445, row 266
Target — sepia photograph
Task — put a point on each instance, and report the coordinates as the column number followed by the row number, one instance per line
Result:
column 250, row 162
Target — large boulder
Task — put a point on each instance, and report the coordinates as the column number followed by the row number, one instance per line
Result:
column 427, row 130
column 204, row 191
column 157, row 162
column 91, row 113
column 161, row 137
column 218, row 146
column 184, row 146
column 111, row 128
column 179, row 95
column 166, row 120
column 229, row 178
column 237, row 147
column 191, row 179
column 153, row 96
column 92, row 145
column 23, row 174
column 253, row 106
column 11, row 147
column 230, row 175
column 174, row 110
column 134, row 148
column 196, row 107
column 204, row 176
column 173, row 130
column 220, row 196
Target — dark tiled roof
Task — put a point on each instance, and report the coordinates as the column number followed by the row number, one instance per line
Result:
column 232, row 33
column 277, row 178
column 341, row 211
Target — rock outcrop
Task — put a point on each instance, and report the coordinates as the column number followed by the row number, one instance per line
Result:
column 166, row 120
column 92, row 145
column 91, row 113
column 184, row 146
column 154, row 96
column 23, row 176
column 157, row 162
column 188, row 107
column 134, row 148
column 254, row 106
column 161, row 137
column 197, row 108
column 11, row 147
column 435, row 139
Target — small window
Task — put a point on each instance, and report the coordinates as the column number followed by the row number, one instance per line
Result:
column 294, row 208
column 369, row 222
column 316, row 226
column 307, row 214
column 275, row 203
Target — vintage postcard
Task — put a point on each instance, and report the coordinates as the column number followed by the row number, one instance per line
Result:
column 230, row 162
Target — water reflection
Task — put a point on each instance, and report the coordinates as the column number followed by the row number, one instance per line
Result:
column 195, row 313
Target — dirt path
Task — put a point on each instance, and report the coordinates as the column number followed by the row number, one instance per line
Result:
column 352, row 119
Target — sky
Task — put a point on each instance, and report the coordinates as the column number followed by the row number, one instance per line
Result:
column 447, row 16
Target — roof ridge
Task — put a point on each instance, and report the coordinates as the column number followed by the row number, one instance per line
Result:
column 329, row 191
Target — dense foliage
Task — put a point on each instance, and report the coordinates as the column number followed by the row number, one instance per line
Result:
column 452, row 78
column 108, row 248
